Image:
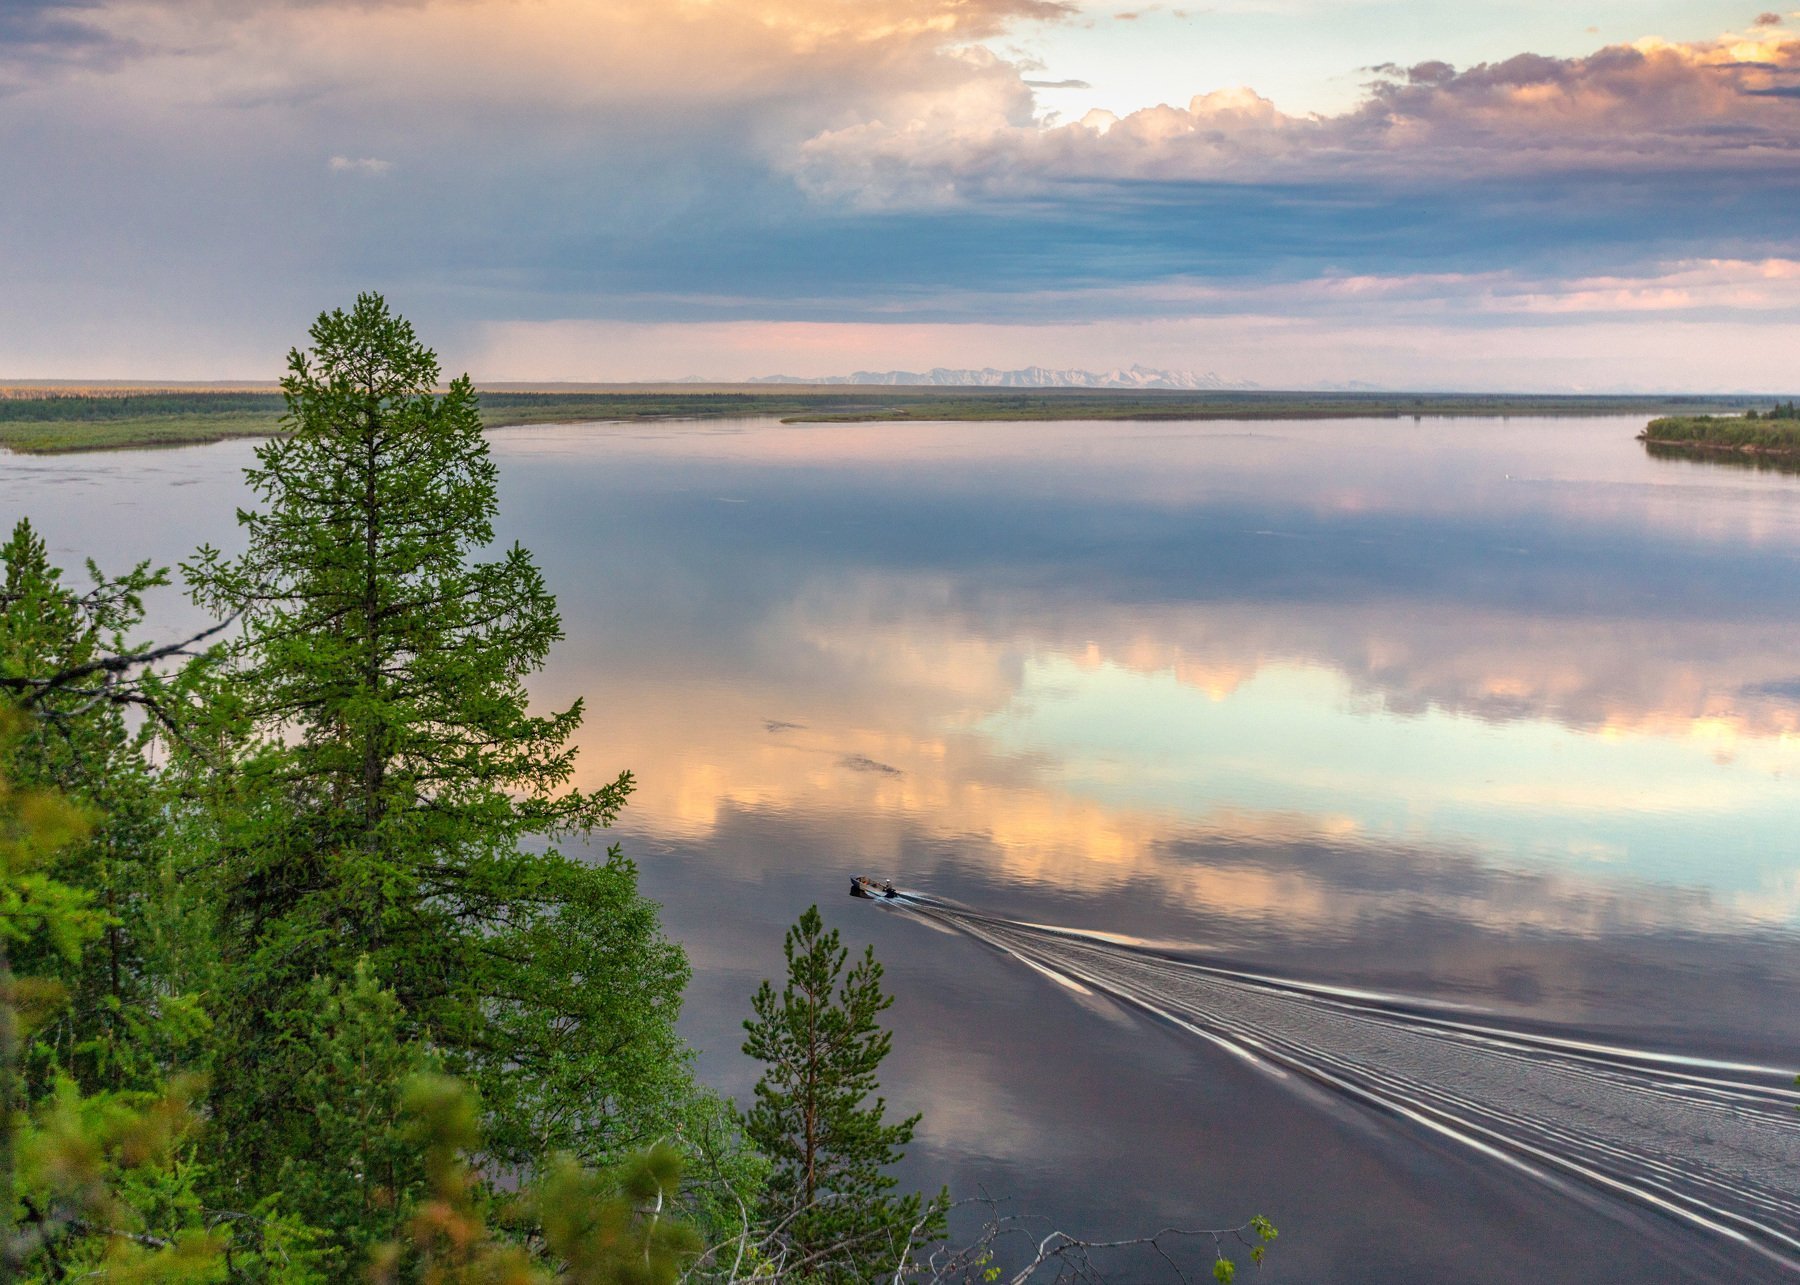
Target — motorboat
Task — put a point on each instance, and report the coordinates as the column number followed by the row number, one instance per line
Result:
column 883, row 890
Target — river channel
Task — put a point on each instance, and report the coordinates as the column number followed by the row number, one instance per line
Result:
column 1390, row 827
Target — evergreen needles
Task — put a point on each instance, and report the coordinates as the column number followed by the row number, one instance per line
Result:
column 830, row 1195
column 391, row 785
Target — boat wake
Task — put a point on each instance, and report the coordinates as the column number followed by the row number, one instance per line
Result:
column 1713, row 1144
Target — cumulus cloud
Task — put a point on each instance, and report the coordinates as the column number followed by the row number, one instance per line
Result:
column 1648, row 107
column 360, row 165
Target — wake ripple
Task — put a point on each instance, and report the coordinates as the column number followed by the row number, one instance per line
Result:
column 1712, row 1144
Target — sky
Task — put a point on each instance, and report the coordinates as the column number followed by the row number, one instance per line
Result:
column 1581, row 195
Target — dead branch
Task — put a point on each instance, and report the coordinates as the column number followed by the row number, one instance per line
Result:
column 36, row 690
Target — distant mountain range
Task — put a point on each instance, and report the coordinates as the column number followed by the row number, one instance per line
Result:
column 1029, row 377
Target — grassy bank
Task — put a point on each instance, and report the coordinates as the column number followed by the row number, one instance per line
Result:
column 56, row 422
column 46, row 420
column 1760, row 436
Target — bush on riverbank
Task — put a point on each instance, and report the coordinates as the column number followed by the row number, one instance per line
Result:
column 1774, row 431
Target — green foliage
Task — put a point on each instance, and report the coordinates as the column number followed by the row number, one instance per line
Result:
column 613, row 1228
column 361, row 1168
column 618, row 1227
column 121, row 1025
column 100, row 1185
column 36, row 825
column 393, row 783
column 1778, row 431
column 90, row 407
column 829, row 1195
column 109, row 1182
column 446, row 1237
column 578, row 1050
column 1780, row 410
column 724, row 1176
column 1257, row 1234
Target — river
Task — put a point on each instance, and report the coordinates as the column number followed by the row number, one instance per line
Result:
column 1385, row 826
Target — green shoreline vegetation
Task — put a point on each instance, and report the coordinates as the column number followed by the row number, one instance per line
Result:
column 56, row 419
column 1775, row 432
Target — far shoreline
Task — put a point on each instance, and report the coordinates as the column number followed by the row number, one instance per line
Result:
column 47, row 419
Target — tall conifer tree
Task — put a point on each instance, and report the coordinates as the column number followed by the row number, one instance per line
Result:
column 392, row 780
column 830, row 1195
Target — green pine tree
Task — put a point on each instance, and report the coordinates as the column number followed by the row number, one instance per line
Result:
column 101, row 1185
column 355, row 1064
column 830, row 1199
column 392, row 787
column 123, row 1022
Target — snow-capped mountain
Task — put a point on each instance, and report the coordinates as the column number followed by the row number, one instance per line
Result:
column 1029, row 377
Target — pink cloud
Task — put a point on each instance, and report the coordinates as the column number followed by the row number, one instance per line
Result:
column 1727, row 105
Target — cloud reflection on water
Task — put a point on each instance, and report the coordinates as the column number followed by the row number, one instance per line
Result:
column 886, row 650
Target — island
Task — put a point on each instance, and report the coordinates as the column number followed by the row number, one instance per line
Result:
column 1774, row 432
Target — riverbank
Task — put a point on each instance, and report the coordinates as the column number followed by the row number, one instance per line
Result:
column 1736, row 434
column 55, row 419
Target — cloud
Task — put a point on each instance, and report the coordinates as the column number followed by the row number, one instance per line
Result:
column 44, row 23
column 657, row 167
column 1649, row 108
column 1391, row 344
column 40, row 34
column 360, row 165
column 550, row 145
column 562, row 51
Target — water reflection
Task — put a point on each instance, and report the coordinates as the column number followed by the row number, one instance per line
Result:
column 1501, row 712
column 1728, row 459
column 1082, row 654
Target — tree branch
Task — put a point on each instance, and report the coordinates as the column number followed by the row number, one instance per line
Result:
column 36, row 689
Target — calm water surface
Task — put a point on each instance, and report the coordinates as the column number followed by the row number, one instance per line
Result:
column 1502, row 715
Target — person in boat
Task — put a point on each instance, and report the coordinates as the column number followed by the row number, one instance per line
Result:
column 888, row 889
